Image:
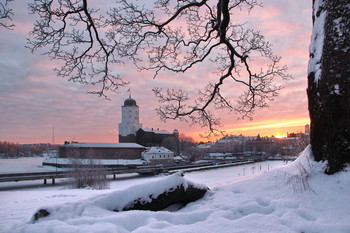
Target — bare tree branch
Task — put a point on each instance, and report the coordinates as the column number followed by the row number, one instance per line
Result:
column 170, row 36
column 72, row 33
column 6, row 14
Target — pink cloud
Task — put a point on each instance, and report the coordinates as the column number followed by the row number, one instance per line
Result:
column 33, row 98
column 267, row 12
column 280, row 28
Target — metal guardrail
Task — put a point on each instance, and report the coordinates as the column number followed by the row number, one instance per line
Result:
column 10, row 177
column 147, row 170
column 33, row 176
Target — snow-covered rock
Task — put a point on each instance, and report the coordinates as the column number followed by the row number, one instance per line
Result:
column 158, row 195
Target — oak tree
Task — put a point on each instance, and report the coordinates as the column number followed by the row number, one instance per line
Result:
column 329, row 83
column 165, row 36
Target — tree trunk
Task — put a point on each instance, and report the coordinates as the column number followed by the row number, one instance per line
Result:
column 329, row 83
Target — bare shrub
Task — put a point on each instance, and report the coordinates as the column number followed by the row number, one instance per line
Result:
column 86, row 172
column 300, row 180
column 193, row 153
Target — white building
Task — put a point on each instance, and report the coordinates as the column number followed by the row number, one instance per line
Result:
column 157, row 155
column 307, row 130
column 130, row 121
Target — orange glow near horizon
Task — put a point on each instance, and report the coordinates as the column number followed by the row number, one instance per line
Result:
column 280, row 136
column 263, row 128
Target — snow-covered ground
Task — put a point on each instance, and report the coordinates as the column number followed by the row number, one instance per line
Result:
column 23, row 164
column 297, row 197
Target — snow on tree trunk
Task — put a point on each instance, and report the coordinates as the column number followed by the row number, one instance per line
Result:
column 329, row 83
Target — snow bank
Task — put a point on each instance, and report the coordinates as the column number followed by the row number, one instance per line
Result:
column 266, row 203
column 117, row 201
column 306, row 161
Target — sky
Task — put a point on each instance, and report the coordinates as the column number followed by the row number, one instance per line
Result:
column 36, row 106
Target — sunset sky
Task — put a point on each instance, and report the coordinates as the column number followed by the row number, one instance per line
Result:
column 34, row 100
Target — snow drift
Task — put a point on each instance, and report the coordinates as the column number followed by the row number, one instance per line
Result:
column 154, row 196
column 298, row 197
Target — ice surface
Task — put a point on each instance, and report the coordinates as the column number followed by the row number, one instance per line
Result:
column 23, row 164
column 64, row 161
column 104, row 145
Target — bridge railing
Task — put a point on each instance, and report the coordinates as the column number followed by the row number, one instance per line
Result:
column 148, row 170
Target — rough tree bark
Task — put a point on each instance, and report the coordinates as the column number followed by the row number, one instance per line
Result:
column 329, row 83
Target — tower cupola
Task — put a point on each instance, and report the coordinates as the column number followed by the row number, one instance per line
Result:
column 130, row 102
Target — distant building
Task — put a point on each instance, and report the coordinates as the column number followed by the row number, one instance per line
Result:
column 307, row 130
column 130, row 121
column 152, row 137
column 133, row 140
column 205, row 147
column 291, row 145
column 101, row 150
column 157, row 155
column 131, row 131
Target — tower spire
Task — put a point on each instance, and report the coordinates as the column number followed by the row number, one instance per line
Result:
column 129, row 93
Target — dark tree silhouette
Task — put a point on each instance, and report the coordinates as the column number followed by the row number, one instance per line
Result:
column 6, row 14
column 329, row 83
column 174, row 36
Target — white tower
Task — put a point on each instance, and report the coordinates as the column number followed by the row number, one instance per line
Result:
column 307, row 129
column 130, row 121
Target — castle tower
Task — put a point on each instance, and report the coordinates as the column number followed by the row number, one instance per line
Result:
column 177, row 141
column 176, row 133
column 130, row 121
column 307, row 129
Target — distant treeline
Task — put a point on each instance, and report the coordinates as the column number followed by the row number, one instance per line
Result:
column 13, row 150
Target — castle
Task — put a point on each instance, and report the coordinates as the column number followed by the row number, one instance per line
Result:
column 131, row 131
column 135, row 142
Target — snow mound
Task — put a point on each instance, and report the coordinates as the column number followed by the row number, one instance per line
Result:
column 295, row 198
column 119, row 200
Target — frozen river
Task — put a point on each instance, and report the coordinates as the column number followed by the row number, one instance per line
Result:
column 210, row 178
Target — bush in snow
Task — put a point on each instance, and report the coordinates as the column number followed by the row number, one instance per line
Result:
column 87, row 173
column 299, row 176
